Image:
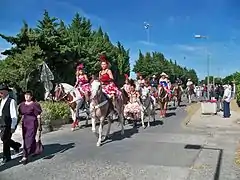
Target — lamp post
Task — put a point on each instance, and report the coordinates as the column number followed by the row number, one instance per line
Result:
column 147, row 28
column 197, row 36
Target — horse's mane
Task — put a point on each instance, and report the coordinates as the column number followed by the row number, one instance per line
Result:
column 67, row 87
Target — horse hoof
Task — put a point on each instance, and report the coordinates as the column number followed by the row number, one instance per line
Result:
column 148, row 125
column 98, row 144
column 93, row 130
column 72, row 129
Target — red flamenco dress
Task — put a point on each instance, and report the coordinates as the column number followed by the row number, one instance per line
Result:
column 108, row 85
column 82, row 84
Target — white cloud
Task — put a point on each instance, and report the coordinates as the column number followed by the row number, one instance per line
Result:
column 2, row 57
column 75, row 8
column 185, row 47
column 147, row 43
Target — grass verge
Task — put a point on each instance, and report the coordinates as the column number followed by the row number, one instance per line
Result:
column 234, row 106
column 237, row 156
column 191, row 110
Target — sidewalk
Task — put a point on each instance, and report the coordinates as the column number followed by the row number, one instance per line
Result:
column 217, row 157
column 198, row 120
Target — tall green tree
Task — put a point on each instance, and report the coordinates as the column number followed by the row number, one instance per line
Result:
column 62, row 46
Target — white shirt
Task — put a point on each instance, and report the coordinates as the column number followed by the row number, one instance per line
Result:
column 189, row 83
column 227, row 95
column 13, row 110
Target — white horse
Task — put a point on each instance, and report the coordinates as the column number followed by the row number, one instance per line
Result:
column 147, row 106
column 101, row 107
column 71, row 95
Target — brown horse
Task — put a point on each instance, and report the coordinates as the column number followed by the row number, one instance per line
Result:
column 177, row 94
column 69, row 94
column 162, row 99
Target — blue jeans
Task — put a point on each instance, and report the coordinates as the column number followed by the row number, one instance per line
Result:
column 226, row 109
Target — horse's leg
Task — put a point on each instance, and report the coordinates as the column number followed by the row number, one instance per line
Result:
column 149, row 116
column 100, row 129
column 142, row 118
column 93, row 125
column 74, row 119
column 153, row 113
column 109, row 127
column 121, row 119
column 165, row 109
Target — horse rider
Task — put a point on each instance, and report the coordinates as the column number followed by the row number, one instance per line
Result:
column 165, row 83
column 147, row 86
column 127, row 84
column 154, row 82
column 107, row 80
column 190, row 84
column 83, row 87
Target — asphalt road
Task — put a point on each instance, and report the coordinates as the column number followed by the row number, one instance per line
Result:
column 154, row 153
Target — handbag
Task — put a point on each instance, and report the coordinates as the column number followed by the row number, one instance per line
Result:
column 39, row 146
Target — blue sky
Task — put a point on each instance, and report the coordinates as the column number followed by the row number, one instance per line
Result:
column 173, row 25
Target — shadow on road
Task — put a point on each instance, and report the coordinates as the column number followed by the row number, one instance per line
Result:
column 169, row 114
column 220, row 156
column 50, row 150
column 116, row 136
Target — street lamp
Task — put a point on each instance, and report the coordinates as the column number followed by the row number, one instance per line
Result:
column 198, row 36
column 147, row 28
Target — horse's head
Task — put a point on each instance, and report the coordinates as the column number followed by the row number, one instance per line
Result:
column 96, row 88
column 144, row 94
column 59, row 92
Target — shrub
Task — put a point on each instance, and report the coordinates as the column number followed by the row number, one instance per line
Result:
column 54, row 111
column 238, row 94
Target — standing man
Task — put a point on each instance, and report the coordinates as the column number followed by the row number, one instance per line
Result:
column 226, row 101
column 8, row 122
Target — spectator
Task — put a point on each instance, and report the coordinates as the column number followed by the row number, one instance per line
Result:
column 226, row 101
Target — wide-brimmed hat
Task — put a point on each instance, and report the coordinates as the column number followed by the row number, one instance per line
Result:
column 163, row 74
column 154, row 76
column 4, row 87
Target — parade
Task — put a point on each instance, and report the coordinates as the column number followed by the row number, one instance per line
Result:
column 120, row 93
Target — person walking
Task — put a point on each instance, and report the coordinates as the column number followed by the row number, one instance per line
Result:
column 8, row 122
column 30, row 111
column 226, row 101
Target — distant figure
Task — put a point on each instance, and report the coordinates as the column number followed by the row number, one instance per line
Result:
column 226, row 101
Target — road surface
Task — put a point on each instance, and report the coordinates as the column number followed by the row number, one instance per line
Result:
column 155, row 153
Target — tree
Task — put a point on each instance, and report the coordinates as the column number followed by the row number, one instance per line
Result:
column 62, row 47
column 155, row 63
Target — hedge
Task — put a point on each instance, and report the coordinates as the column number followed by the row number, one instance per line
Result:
column 54, row 113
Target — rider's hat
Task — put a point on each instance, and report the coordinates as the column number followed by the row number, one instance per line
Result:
column 126, row 76
column 154, row 76
column 80, row 67
column 189, row 79
column 103, row 58
column 163, row 74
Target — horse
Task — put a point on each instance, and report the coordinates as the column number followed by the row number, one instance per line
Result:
column 101, row 107
column 163, row 99
column 69, row 94
column 190, row 92
column 177, row 95
column 147, row 106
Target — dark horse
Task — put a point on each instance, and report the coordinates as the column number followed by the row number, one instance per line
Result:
column 177, row 94
column 162, row 99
